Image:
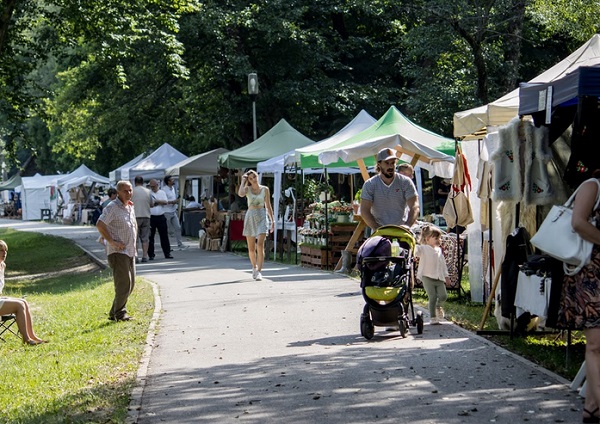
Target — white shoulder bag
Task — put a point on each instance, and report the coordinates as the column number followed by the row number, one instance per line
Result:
column 557, row 238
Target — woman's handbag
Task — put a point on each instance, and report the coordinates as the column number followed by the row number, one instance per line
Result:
column 557, row 238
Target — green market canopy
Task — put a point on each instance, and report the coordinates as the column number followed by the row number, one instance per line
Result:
column 278, row 140
column 415, row 144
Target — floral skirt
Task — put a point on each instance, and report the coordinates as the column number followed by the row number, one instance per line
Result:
column 255, row 222
column 580, row 299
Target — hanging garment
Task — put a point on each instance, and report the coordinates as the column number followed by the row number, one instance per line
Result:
column 518, row 250
column 507, row 164
column 537, row 189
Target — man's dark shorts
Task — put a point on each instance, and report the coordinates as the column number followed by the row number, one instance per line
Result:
column 143, row 229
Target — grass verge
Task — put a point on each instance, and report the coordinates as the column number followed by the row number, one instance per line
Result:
column 86, row 373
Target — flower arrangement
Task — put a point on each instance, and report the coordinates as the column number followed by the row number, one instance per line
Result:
column 342, row 209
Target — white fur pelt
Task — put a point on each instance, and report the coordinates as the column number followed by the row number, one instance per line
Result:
column 537, row 189
column 507, row 164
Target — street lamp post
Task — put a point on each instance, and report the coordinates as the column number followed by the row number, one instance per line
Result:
column 253, row 91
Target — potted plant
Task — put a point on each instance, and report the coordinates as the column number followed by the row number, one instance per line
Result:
column 326, row 191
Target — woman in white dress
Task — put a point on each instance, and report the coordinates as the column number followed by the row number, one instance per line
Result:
column 258, row 221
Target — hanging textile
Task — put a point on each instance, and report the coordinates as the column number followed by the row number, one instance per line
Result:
column 457, row 210
column 507, row 164
column 537, row 189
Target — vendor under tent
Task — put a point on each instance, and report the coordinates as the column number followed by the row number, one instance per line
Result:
column 155, row 164
column 204, row 165
column 278, row 140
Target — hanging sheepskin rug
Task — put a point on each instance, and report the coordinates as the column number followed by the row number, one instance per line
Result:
column 537, row 189
column 507, row 164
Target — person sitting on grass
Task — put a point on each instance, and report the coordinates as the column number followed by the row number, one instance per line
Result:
column 18, row 307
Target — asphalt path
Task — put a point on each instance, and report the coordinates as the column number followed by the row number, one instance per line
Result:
column 288, row 349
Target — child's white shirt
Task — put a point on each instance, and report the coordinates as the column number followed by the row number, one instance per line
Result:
column 432, row 263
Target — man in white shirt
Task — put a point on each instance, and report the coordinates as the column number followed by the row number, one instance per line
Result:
column 158, row 221
column 171, row 209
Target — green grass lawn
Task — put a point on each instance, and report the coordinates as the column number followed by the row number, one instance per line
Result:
column 86, row 372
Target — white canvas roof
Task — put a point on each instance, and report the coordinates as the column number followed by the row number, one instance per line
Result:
column 115, row 175
column 155, row 165
column 82, row 175
column 204, row 164
column 501, row 111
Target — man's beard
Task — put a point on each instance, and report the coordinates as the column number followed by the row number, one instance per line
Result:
column 388, row 173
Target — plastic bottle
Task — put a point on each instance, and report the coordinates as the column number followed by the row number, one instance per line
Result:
column 395, row 248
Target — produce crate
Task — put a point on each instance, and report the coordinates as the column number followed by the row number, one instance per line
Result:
column 316, row 257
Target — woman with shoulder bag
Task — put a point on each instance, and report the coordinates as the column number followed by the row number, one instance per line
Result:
column 580, row 300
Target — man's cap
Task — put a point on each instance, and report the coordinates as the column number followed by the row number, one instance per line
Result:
column 386, row 154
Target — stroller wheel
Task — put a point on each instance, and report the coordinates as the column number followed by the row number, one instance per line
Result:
column 420, row 322
column 367, row 329
column 403, row 326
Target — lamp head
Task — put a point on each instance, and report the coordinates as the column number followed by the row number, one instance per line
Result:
column 253, row 84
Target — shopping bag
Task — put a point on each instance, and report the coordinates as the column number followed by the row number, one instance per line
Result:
column 557, row 238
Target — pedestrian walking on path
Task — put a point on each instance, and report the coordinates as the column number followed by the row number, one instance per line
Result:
column 258, row 221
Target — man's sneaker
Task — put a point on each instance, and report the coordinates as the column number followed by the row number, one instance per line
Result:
column 258, row 276
column 182, row 247
column 434, row 321
column 439, row 312
column 254, row 273
column 144, row 259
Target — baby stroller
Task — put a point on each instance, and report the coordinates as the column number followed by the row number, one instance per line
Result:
column 386, row 282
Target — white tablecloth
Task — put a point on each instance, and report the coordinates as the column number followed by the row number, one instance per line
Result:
column 529, row 298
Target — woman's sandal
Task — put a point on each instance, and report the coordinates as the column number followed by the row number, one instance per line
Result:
column 592, row 417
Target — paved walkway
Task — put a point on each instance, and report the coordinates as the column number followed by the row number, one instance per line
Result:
column 288, row 349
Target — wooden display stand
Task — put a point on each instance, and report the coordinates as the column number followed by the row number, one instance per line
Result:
column 357, row 235
column 316, row 257
column 340, row 240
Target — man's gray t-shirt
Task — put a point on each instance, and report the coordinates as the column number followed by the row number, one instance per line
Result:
column 389, row 202
column 142, row 199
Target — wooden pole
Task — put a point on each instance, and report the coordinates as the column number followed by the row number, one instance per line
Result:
column 488, row 305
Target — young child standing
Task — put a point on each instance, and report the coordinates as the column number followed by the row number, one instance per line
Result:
column 433, row 271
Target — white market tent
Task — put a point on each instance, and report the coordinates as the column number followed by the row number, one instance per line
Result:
column 155, row 165
column 501, row 111
column 81, row 176
column 198, row 166
column 38, row 192
column 115, row 175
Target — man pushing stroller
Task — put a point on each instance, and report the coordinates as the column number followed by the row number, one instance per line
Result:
column 386, row 196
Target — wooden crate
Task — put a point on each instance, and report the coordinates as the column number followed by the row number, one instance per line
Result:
column 315, row 257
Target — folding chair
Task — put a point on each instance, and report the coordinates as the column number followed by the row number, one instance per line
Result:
column 6, row 322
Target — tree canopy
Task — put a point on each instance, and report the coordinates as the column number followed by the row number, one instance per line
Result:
column 101, row 82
